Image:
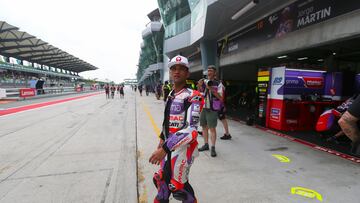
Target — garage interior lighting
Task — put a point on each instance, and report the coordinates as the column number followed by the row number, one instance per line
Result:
column 334, row 53
column 303, row 58
column 320, row 60
column 245, row 9
column 281, row 57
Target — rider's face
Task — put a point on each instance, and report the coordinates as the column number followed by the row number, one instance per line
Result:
column 179, row 73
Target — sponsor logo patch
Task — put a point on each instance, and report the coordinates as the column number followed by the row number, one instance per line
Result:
column 275, row 114
column 277, row 81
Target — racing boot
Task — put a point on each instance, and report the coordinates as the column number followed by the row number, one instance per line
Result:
column 163, row 190
column 179, row 193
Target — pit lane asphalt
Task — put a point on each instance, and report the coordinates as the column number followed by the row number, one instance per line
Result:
column 96, row 150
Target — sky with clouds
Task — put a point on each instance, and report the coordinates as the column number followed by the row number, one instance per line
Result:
column 105, row 33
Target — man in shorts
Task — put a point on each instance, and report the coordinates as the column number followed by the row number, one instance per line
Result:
column 222, row 117
column 208, row 117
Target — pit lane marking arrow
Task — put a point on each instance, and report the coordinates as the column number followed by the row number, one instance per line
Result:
column 281, row 158
column 306, row 193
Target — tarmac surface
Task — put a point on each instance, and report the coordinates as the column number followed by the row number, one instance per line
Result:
column 77, row 151
column 94, row 149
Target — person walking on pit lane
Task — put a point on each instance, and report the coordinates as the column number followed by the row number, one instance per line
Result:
column 147, row 89
column 349, row 123
column 118, row 89
column 222, row 116
column 107, row 91
column 112, row 89
column 158, row 90
column 121, row 91
column 166, row 90
column 213, row 101
column 177, row 148
column 140, row 87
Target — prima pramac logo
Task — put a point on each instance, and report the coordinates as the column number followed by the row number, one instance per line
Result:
column 313, row 82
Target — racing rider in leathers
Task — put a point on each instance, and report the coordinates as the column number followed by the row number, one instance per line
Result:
column 178, row 145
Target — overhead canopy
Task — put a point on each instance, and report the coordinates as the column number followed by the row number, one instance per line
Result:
column 23, row 46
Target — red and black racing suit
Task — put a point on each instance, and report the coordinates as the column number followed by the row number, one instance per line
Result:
column 181, row 118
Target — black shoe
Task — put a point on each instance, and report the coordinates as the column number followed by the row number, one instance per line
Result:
column 204, row 147
column 333, row 139
column 213, row 152
column 355, row 149
column 199, row 132
column 226, row 137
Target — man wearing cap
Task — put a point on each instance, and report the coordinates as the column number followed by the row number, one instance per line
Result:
column 178, row 145
column 208, row 117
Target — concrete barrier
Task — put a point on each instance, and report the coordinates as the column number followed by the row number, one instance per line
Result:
column 14, row 93
column 2, row 93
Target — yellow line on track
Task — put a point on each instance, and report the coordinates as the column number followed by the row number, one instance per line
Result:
column 155, row 128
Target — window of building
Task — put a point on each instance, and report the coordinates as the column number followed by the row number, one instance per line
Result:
column 176, row 16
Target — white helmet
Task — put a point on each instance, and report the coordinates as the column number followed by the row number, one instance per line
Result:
column 178, row 60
